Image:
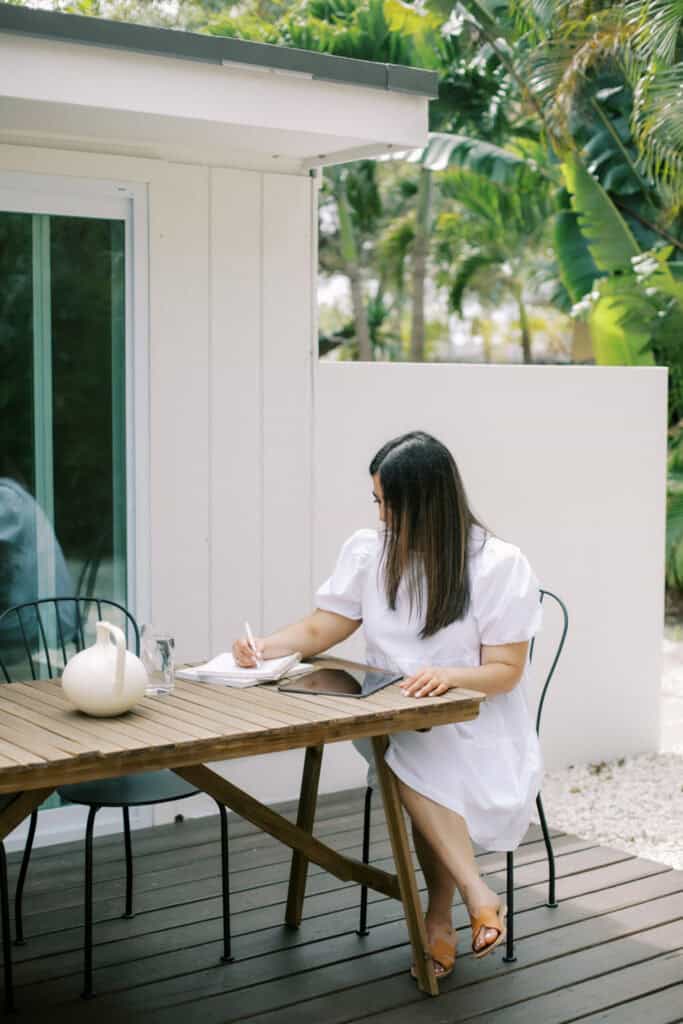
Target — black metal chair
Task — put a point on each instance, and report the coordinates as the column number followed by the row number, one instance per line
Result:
column 40, row 637
column 4, row 918
column 552, row 902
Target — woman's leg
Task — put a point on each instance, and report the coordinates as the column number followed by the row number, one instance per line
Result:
column 440, row 891
column 440, row 884
column 444, row 835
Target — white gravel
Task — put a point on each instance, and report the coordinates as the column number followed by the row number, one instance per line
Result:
column 635, row 803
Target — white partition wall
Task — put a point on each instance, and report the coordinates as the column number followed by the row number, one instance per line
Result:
column 566, row 462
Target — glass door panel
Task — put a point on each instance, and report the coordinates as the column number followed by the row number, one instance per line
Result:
column 62, row 411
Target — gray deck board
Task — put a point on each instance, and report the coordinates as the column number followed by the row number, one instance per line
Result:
column 612, row 950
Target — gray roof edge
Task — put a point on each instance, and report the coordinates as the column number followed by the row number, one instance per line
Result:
column 76, row 28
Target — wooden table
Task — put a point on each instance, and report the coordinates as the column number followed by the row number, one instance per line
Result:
column 45, row 743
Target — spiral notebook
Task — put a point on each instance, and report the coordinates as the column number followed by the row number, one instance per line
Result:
column 224, row 671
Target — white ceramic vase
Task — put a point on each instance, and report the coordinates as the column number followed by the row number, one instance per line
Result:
column 105, row 680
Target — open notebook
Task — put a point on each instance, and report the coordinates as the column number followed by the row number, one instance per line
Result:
column 223, row 671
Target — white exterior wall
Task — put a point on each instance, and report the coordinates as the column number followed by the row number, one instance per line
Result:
column 231, row 306
column 248, row 504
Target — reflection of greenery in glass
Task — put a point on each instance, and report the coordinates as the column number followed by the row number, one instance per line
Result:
column 86, row 294
column 84, row 255
column 16, row 364
column 76, row 442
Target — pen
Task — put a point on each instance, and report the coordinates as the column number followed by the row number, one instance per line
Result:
column 252, row 644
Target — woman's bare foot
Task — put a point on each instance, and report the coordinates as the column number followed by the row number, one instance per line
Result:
column 477, row 896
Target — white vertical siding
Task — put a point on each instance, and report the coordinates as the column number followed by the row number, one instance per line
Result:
column 236, row 401
column 287, row 400
column 179, row 411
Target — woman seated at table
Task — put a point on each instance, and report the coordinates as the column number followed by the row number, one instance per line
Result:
column 449, row 605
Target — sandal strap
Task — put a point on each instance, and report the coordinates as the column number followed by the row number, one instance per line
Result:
column 443, row 952
column 488, row 917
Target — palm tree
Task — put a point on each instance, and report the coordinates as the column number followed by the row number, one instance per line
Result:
column 494, row 240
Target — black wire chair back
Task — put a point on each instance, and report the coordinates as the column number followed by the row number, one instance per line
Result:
column 558, row 651
column 40, row 636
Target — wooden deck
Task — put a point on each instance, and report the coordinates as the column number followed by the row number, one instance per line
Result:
column 612, row 952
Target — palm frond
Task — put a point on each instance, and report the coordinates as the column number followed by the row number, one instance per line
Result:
column 658, row 25
column 464, row 276
column 657, row 124
column 535, row 17
column 393, row 247
column 502, row 166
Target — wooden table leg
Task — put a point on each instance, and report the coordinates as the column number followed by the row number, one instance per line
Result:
column 405, row 871
column 21, row 806
column 304, row 819
column 347, row 869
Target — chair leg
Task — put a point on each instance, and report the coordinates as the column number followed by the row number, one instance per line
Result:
column 129, row 862
column 23, row 871
column 510, row 957
column 6, row 937
column 363, row 922
column 552, row 902
column 227, row 957
column 87, row 951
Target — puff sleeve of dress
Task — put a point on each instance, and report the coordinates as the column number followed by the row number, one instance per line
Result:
column 342, row 592
column 506, row 598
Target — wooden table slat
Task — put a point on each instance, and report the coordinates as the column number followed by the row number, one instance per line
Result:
column 188, row 724
column 228, row 717
column 105, row 735
column 280, row 707
column 19, row 734
column 265, row 715
column 181, row 708
column 288, row 706
column 41, row 713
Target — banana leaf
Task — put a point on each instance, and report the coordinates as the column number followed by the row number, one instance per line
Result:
column 674, row 539
column 576, row 265
column 609, row 238
column 621, row 322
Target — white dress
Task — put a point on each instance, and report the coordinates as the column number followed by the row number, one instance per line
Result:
column 487, row 770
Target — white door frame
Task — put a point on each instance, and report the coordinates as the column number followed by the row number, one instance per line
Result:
column 116, row 200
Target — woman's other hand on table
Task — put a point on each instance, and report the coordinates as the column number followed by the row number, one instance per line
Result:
column 428, row 682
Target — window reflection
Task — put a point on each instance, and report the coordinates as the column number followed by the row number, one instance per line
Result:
column 62, row 407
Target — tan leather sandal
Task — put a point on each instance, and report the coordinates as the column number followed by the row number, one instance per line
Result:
column 489, row 917
column 442, row 953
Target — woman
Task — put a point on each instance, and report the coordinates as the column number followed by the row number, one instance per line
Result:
column 449, row 605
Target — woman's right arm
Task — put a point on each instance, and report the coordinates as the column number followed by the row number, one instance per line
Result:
column 312, row 635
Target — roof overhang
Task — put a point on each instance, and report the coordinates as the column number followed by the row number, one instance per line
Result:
column 75, row 82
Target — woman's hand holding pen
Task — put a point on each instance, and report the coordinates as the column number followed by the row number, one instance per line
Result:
column 249, row 651
column 428, row 682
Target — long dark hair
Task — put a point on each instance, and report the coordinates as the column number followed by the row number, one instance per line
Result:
column 428, row 522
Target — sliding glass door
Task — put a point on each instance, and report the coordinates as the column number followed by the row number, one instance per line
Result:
column 64, row 298
column 63, row 521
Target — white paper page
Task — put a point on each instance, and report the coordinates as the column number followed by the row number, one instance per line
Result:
column 223, row 668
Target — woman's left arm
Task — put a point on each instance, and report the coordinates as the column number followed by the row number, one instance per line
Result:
column 500, row 670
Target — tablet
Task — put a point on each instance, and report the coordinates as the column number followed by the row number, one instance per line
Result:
column 341, row 682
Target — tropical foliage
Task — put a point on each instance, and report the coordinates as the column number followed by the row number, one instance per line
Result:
column 552, row 183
